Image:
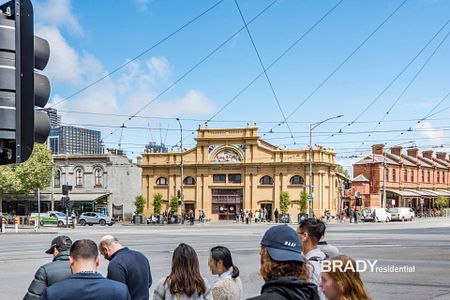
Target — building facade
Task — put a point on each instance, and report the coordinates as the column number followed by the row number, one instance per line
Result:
column 74, row 140
column 232, row 169
column 412, row 180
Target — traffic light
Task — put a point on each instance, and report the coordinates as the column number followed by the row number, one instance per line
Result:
column 66, row 189
column 21, row 88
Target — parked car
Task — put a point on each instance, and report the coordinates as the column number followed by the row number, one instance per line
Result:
column 366, row 213
column 91, row 218
column 380, row 215
column 51, row 218
column 401, row 213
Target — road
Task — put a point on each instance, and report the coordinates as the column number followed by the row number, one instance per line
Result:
column 422, row 244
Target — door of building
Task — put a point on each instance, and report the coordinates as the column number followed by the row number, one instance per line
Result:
column 268, row 207
column 226, row 202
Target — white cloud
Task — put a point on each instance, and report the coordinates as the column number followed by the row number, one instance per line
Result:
column 142, row 4
column 428, row 131
column 58, row 13
column 158, row 67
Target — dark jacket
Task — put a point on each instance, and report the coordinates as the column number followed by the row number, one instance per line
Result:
column 87, row 286
column 288, row 288
column 48, row 274
column 133, row 269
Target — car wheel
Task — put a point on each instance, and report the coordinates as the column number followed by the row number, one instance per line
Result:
column 83, row 222
column 102, row 222
column 110, row 224
column 60, row 223
column 42, row 223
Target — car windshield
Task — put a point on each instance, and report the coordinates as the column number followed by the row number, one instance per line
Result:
column 393, row 210
column 60, row 214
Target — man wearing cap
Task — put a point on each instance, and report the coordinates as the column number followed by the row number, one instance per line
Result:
column 57, row 270
column 283, row 267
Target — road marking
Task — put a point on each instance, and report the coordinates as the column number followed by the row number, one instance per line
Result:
column 368, row 245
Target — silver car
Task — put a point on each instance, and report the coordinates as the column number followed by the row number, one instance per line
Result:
column 91, row 218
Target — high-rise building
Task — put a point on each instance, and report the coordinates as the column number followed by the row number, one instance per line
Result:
column 55, row 118
column 75, row 140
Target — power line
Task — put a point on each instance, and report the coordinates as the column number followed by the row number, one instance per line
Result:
column 264, row 70
column 139, row 55
column 342, row 63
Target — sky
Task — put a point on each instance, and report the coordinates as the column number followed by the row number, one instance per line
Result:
column 140, row 64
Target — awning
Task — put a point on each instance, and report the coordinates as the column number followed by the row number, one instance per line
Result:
column 404, row 193
column 427, row 193
column 443, row 192
column 79, row 197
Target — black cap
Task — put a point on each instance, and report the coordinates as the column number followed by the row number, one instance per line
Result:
column 59, row 242
column 283, row 244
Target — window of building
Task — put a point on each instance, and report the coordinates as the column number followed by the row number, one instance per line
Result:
column 78, row 178
column 266, row 180
column 234, row 178
column 58, row 178
column 423, row 175
column 394, row 175
column 412, row 176
column 297, row 180
column 219, row 178
column 438, row 177
column 405, row 175
column 98, row 176
column 428, row 176
column 189, row 181
column 162, row 181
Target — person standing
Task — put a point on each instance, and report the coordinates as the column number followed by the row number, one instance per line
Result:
column 276, row 215
column 283, row 267
column 228, row 285
column 127, row 266
column 329, row 250
column 184, row 281
column 86, row 283
column 57, row 270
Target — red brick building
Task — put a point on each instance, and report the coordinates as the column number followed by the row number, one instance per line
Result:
column 411, row 178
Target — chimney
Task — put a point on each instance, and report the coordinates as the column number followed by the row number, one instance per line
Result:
column 413, row 152
column 378, row 149
column 397, row 150
column 441, row 155
column 428, row 154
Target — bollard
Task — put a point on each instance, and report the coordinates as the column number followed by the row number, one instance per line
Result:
column 16, row 224
column 3, row 225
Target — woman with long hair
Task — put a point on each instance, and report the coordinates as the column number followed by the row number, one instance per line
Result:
column 184, row 281
column 228, row 285
column 342, row 281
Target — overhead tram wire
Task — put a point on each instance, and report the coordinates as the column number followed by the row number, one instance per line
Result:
column 408, row 85
column 276, row 60
column 388, row 86
column 211, row 53
column 140, row 54
column 264, row 70
column 342, row 64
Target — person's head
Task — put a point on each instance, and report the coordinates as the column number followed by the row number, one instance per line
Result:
column 310, row 232
column 185, row 276
column 321, row 229
column 281, row 254
column 109, row 245
column 220, row 261
column 83, row 256
column 59, row 244
column 338, row 285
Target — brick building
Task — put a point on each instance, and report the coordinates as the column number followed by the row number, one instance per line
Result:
column 411, row 178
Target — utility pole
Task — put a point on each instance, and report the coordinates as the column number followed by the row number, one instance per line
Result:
column 39, row 207
column 384, row 178
column 182, row 172
column 53, row 185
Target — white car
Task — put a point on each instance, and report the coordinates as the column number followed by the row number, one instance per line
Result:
column 381, row 215
column 401, row 213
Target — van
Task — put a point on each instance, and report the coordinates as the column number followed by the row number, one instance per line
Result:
column 401, row 213
column 51, row 218
column 381, row 215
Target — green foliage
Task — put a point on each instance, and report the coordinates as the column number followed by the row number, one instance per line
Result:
column 174, row 204
column 139, row 203
column 442, row 201
column 341, row 170
column 303, row 202
column 285, row 201
column 157, row 203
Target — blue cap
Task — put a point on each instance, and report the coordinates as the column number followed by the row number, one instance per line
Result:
column 283, row 244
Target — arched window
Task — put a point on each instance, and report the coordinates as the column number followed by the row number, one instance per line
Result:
column 98, row 174
column 162, row 181
column 78, row 177
column 58, row 178
column 189, row 180
column 296, row 180
column 266, row 180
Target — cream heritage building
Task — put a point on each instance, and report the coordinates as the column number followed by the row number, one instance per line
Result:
column 232, row 169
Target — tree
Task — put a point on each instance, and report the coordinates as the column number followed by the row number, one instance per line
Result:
column 139, row 203
column 303, row 202
column 157, row 203
column 285, row 201
column 23, row 178
column 441, row 201
column 341, row 170
column 174, row 204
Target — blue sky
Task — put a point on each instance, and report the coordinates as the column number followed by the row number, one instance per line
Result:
column 89, row 39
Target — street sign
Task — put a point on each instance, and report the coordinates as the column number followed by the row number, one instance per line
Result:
column 310, row 197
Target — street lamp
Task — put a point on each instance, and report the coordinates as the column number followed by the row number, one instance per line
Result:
column 182, row 172
column 313, row 126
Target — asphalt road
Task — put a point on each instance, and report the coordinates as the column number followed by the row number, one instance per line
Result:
column 422, row 244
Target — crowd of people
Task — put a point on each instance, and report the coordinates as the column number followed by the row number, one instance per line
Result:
column 290, row 265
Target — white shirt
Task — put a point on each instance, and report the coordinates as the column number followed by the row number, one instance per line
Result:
column 318, row 256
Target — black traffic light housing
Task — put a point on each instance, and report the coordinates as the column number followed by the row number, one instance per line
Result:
column 20, row 87
column 66, row 189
